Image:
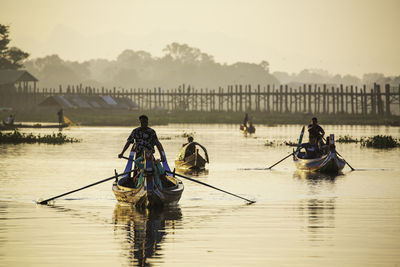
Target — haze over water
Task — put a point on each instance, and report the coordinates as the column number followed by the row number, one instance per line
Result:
column 298, row 220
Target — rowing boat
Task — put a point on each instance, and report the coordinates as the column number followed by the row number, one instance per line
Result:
column 247, row 130
column 329, row 162
column 151, row 191
column 189, row 158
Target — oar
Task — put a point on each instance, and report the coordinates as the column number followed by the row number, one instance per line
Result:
column 70, row 192
column 323, row 138
column 280, row 161
column 345, row 161
column 298, row 148
column 194, row 180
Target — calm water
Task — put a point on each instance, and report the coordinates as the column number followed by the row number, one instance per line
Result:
column 299, row 220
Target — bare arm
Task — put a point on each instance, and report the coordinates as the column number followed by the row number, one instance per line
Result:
column 124, row 149
column 161, row 150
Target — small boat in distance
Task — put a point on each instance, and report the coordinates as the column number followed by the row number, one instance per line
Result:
column 247, row 126
column 247, row 129
column 189, row 158
column 150, row 192
column 328, row 162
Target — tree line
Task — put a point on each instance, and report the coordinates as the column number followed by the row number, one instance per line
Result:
column 180, row 63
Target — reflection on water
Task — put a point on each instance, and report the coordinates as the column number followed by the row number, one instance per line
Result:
column 142, row 231
column 300, row 218
column 316, row 177
column 320, row 218
column 197, row 173
column 319, row 213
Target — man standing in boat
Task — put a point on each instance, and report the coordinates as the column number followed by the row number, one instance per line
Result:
column 315, row 132
column 143, row 138
column 60, row 115
column 245, row 120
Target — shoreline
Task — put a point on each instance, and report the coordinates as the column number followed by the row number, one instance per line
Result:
column 156, row 117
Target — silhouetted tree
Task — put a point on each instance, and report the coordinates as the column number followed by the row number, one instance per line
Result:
column 10, row 57
column 52, row 71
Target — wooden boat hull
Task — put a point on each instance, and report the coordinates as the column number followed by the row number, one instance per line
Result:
column 329, row 163
column 127, row 194
column 191, row 163
column 148, row 194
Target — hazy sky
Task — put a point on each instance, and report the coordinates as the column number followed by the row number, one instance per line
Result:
column 341, row 36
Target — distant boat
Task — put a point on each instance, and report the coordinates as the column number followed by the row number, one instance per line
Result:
column 247, row 130
column 188, row 162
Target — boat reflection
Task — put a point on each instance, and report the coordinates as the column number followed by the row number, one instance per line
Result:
column 142, row 231
column 316, row 176
column 193, row 172
column 318, row 211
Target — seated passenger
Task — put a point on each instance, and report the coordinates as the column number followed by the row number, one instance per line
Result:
column 191, row 148
column 10, row 120
column 312, row 150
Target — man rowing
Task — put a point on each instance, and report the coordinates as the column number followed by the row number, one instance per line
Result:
column 315, row 132
column 143, row 138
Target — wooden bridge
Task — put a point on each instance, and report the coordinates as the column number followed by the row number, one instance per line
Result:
column 307, row 98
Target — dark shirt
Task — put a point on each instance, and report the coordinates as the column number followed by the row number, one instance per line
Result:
column 190, row 150
column 245, row 120
column 60, row 114
column 145, row 138
column 315, row 131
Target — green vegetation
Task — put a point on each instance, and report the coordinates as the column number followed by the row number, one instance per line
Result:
column 16, row 137
column 269, row 143
column 347, row 139
column 380, row 141
column 186, row 135
column 377, row 141
column 276, row 143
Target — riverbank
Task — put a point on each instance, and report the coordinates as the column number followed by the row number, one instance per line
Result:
column 130, row 117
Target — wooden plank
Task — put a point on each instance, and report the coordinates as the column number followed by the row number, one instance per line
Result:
column 387, row 97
